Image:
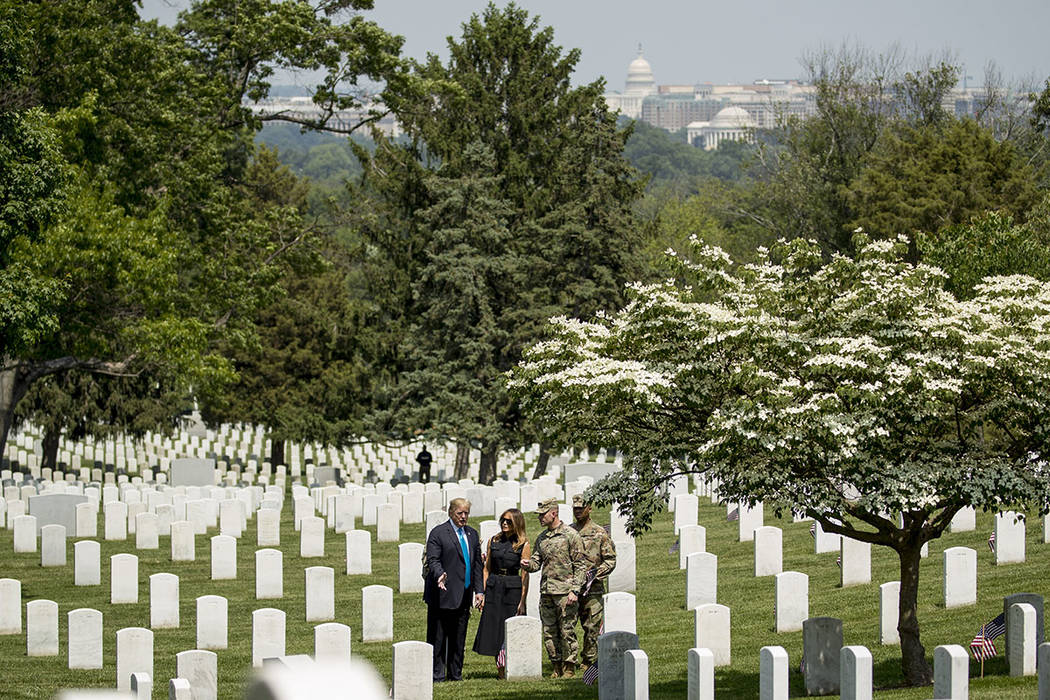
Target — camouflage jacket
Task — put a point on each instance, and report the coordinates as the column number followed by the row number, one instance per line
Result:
column 560, row 553
column 600, row 553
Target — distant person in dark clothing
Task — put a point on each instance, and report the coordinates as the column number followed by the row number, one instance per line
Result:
column 424, row 458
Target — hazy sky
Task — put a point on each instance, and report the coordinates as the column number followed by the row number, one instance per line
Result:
column 732, row 41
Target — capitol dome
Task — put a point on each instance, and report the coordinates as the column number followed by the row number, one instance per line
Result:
column 733, row 117
column 640, row 79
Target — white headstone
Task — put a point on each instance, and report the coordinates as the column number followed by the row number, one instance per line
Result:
column 749, row 519
column 53, row 545
column 311, row 537
column 622, row 577
column 24, row 535
column 268, row 527
column 123, row 579
column 116, row 517
column 1021, row 628
column 368, row 508
column 701, row 681
column 341, row 513
column 147, row 535
column 824, row 542
column 410, row 559
column 772, row 673
column 134, row 655
column 691, row 539
column 87, row 520
column 856, row 562
column 855, row 671
column 212, row 622
column 412, row 508
column 197, row 515
column 183, row 541
column 524, row 640
column 712, row 631
column 359, row 552
column 231, row 518
column 388, row 528
column 412, row 679
column 701, row 579
column 320, row 593
column 1043, row 664
column 223, row 558
column 619, row 612
column 332, row 643
column 1009, row 538
column 792, row 601
column 889, row 612
column 141, row 687
column 685, row 513
column 960, row 577
column 85, row 638
column 435, row 518
column 163, row 601
column 269, row 574
column 10, row 606
column 267, row 635
column 951, row 672
column 769, row 552
column 965, row 520
column 377, row 614
column 201, row 669
column 165, row 517
column 636, row 673
column 42, row 627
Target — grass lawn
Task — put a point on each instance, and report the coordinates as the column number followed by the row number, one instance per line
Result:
column 665, row 627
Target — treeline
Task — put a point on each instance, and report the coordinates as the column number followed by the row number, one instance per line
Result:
column 163, row 246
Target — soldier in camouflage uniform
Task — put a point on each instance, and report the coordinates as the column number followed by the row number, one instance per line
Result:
column 559, row 552
column 601, row 560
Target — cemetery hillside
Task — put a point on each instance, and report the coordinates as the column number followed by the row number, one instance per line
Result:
column 260, row 340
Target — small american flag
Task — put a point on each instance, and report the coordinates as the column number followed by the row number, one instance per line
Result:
column 813, row 531
column 838, row 561
column 590, row 676
column 983, row 646
column 608, row 529
column 501, row 657
column 991, row 542
column 591, row 575
column 676, row 546
column 734, row 514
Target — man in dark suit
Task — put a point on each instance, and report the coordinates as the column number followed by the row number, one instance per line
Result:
column 454, row 583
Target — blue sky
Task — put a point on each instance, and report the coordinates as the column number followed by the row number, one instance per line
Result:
column 724, row 42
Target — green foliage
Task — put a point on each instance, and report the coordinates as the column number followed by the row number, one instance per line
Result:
column 656, row 153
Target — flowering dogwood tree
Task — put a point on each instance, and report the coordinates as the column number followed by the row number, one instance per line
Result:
column 856, row 390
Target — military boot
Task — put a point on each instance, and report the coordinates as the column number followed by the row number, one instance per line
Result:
column 568, row 670
column 557, row 669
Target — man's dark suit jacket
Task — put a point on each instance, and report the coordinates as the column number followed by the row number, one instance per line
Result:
column 445, row 555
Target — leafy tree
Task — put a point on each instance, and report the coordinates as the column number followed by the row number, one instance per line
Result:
column 857, row 391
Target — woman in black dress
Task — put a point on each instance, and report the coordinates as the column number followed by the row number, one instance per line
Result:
column 506, row 585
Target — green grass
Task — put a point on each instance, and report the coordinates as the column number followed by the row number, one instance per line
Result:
column 665, row 627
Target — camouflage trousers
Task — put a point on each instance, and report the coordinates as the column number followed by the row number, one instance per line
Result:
column 591, row 616
column 559, row 627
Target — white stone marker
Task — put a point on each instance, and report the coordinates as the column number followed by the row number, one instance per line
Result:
column 267, row 635
column 824, row 542
column 889, row 612
column 53, row 545
column 231, row 518
column 410, row 558
column 223, row 558
column 1009, row 538
column 524, row 639
column 141, row 687
column 965, row 520
column 619, row 612
column 691, row 539
column 701, row 579
column 388, row 528
column 134, row 655
column 951, row 672
column 1021, row 626
column 623, row 577
column 792, row 601
column 636, row 673
column 332, row 643
column 685, row 511
column 712, row 631
column 359, row 552
column 320, row 593
column 855, row 673
column 123, row 579
column 197, row 515
column 179, row 689
column 701, row 684
column 532, row 598
column 769, row 551
column 435, row 518
column 1043, row 663
column 24, row 527
column 269, row 574
column 212, row 622
column 147, row 532
column 201, row 669
column 183, row 541
column 10, row 606
column 412, row 508
column 772, row 673
column 377, row 614
column 856, row 562
column 268, row 527
column 749, row 519
column 311, row 537
column 84, row 634
column 960, row 577
column 42, row 628
column 368, row 508
column 412, row 679
column 116, row 517
column 87, row 519
column 165, row 517
column 163, row 601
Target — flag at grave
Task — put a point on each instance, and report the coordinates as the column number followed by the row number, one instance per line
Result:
column 675, row 547
column 734, row 515
column 591, row 674
column 982, row 645
column 501, row 657
column 813, row 531
column 591, row 575
column 991, row 542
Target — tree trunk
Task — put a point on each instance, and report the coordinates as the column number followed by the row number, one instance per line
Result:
column 462, row 461
column 276, row 452
column 12, row 388
column 52, row 435
column 917, row 671
column 541, row 462
column 487, row 473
